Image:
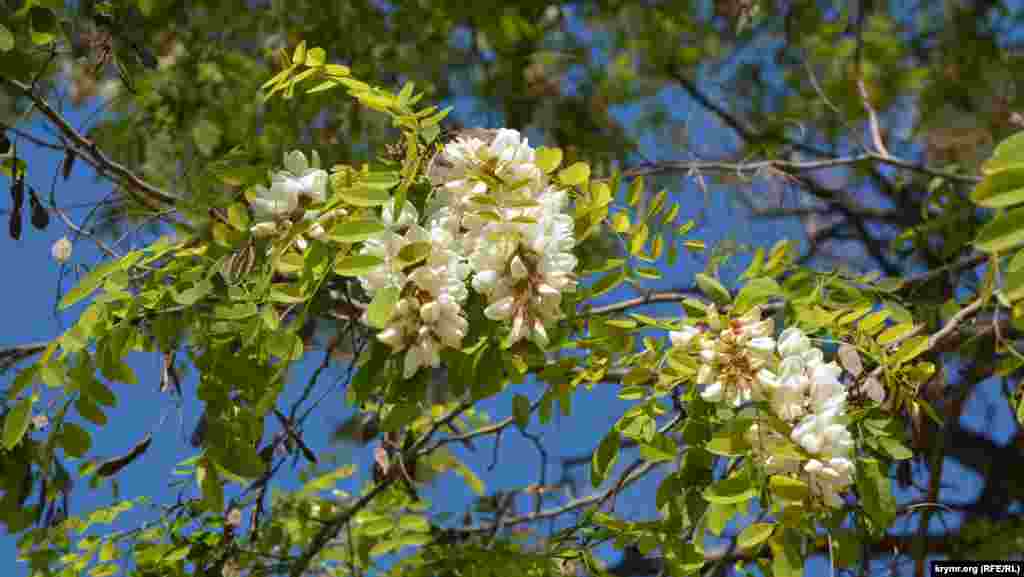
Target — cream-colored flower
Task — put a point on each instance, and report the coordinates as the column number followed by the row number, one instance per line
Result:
column 61, row 250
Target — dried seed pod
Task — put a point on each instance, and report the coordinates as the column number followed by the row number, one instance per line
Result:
column 40, row 216
column 69, row 162
column 17, row 193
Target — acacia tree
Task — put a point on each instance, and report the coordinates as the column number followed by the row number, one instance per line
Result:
column 472, row 261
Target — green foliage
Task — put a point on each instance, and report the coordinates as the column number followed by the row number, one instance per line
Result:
column 240, row 305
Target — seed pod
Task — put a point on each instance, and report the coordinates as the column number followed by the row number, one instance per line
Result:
column 40, row 216
column 69, row 162
column 18, row 193
column 14, row 222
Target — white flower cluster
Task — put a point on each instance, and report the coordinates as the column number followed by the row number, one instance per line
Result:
column 275, row 208
column 742, row 362
column 495, row 221
column 429, row 314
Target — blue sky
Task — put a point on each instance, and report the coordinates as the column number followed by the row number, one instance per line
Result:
column 33, row 289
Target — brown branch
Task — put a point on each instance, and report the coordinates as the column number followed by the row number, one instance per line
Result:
column 10, row 356
column 949, row 329
column 147, row 194
column 333, row 526
column 662, row 297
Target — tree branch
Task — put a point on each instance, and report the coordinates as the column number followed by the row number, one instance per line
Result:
column 147, row 194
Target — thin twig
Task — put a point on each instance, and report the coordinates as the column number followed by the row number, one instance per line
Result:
column 150, row 196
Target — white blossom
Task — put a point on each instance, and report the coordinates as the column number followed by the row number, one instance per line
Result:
column 684, row 336
column 733, row 357
column 274, row 202
column 801, row 388
column 828, row 478
column 302, row 178
column 61, row 250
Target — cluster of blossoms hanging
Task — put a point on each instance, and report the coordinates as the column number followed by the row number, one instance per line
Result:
column 278, row 207
column 743, row 362
column 495, row 221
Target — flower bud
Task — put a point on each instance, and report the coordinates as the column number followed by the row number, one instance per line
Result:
column 519, row 270
column 546, row 290
column 501, row 310
column 682, row 338
column 430, row 312
column 61, row 250
column 539, row 335
column 264, row 229
column 391, row 337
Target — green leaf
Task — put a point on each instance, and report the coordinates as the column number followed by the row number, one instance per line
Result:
column 575, row 174
column 846, row 545
column 1008, row 154
column 728, row 442
column 754, row 534
column 521, row 410
column 193, row 294
column 90, row 283
column 100, row 392
column 718, row 516
column 875, row 490
column 364, row 195
column 26, row 377
column 414, row 523
column 90, row 411
column 357, row 264
column 910, row 349
column 210, row 485
column 239, row 457
column 639, row 239
column 548, row 159
column 286, row 294
column 607, row 283
column 382, row 308
column 238, row 216
column 16, row 423
column 788, row 489
column 43, row 26
column 285, row 345
column 687, row 560
column 1002, row 233
column 329, row 480
column 414, row 252
column 786, row 558
column 471, row 479
column 757, row 292
column 636, row 192
column 874, row 321
column 75, row 440
column 399, row 416
column 894, row 448
column 316, row 57
column 53, row 374
column 300, row 53
column 355, row 231
column 660, row 448
column 1002, row 189
column 604, row 458
column 731, row 491
column 895, row 333
column 6, row 39
column 712, row 288
column 109, row 569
